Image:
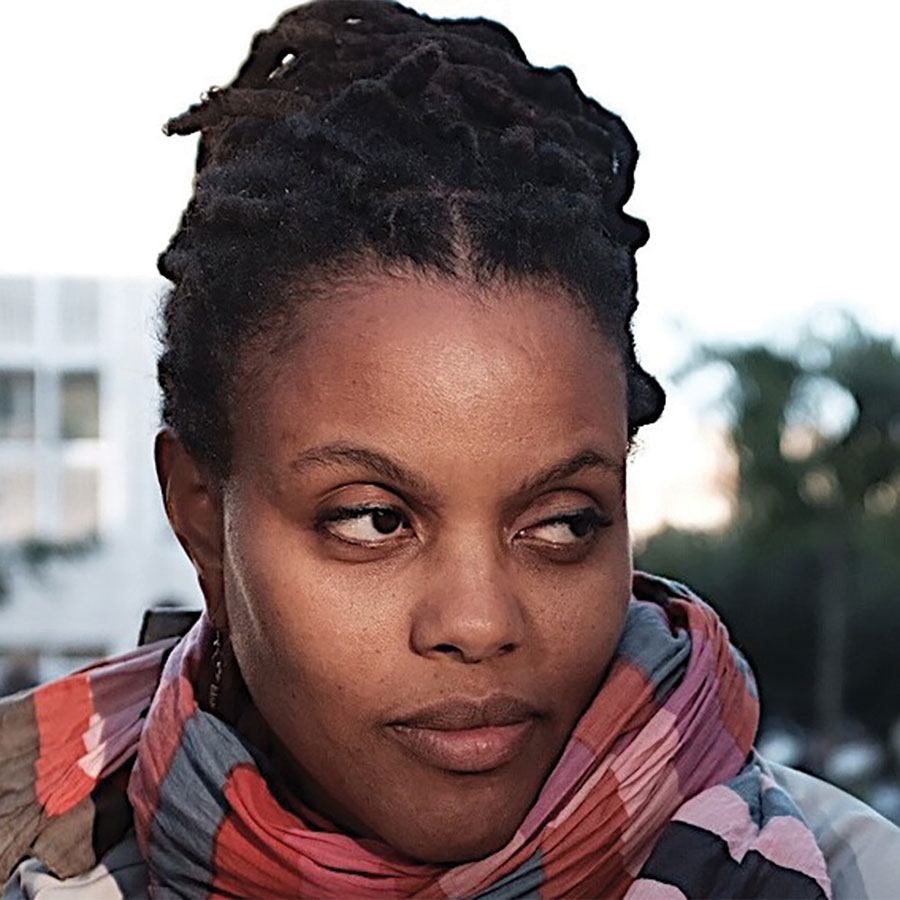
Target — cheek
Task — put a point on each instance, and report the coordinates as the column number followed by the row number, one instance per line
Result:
column 588, row 592
column 582, row 613
column 299, row 635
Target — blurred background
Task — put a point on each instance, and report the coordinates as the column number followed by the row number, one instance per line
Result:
column 769, row 309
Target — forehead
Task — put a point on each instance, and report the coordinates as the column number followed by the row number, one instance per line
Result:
column 430, row 368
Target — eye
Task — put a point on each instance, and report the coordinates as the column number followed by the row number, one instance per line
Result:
column 366, row 524
column 576, row 527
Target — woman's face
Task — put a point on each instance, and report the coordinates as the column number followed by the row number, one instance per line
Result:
column 426, row 557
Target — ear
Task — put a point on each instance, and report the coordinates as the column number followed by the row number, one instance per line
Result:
column 194, row 507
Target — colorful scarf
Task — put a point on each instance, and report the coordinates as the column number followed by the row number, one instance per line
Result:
column 656, row 794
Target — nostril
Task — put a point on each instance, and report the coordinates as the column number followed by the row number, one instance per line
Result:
column 453, row 650
column 457, row 653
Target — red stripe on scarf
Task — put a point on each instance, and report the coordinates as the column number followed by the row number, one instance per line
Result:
column 63, row 712
column 601, row 873
column 272, row 856
column 263, row 869
column 628, row 707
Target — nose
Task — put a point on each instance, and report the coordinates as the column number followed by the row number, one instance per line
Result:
column 469, row 610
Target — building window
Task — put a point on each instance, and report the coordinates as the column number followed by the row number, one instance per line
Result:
column 17, row 513
column 17, row 404
column 79, row 405
column 80, row 502
column 79, row 310
column 16, row 310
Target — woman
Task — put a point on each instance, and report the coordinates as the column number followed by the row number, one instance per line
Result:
column 399, row 390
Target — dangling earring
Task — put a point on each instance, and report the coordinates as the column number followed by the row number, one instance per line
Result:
column 215, row 687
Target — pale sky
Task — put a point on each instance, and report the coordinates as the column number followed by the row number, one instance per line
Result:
column 768, row 133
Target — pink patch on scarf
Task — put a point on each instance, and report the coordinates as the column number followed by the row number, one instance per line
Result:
column 650, row 889
column 784, row 840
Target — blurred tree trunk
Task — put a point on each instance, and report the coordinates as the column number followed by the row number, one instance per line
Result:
column 831, row 639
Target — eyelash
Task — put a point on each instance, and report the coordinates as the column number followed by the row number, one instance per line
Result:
column 594, row 520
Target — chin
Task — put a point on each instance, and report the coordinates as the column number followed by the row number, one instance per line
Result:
column 465, row 843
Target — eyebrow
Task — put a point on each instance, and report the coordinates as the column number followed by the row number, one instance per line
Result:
column 348, row 454
column 391, row 470
column 583, row 459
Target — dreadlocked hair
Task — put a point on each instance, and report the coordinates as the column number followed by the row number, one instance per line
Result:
column 359, row 130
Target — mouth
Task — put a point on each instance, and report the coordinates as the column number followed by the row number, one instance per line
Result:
column 468, row 736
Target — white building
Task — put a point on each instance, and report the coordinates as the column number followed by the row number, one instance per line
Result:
column 78, row 412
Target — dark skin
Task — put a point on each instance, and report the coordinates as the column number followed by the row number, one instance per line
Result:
column 483, row 429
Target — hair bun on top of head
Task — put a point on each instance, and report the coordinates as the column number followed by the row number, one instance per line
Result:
column 360, row 125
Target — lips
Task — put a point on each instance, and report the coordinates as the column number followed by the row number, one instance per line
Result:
column 462, row 735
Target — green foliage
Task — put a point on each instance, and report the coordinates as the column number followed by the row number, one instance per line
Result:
column 807, row 575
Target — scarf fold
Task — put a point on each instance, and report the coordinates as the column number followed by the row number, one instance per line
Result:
column 657, row 792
